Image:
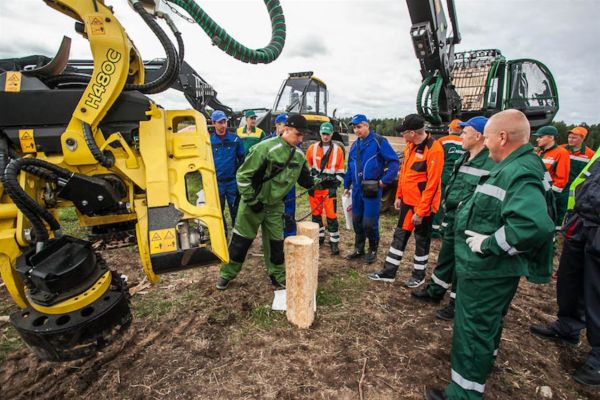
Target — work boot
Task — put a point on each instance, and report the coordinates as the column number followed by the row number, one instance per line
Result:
column 372, row 253
column 434, row 394
column 222, row 283
column 551, row 332
column 383, row 276
column 446, row 313
column 423, row 295
column 335, row 250
column 417, row 279
column 321, row 240
column 359, row 248
column 277, row 285
column 586, row 375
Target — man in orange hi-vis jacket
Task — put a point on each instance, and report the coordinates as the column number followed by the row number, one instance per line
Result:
column 557, row 162
column 418, row 198
column 326, row 160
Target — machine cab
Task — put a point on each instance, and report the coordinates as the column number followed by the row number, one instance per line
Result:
column 302, row 93
column 532, row 90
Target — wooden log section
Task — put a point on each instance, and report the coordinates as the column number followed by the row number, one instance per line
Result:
column 300, row 267
column 311, row 230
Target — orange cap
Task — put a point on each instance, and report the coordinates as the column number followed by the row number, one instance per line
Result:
column 579, row 130
column 453, row 126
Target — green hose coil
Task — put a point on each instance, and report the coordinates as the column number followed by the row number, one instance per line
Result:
column 231, row 46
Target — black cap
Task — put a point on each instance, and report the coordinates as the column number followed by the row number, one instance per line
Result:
column 297, row 121
column 412, row 122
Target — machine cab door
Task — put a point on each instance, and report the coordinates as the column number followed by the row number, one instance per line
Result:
column 302, row 93
column 532, row 90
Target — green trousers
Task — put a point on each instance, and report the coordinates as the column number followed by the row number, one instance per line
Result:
column 481, row 305
column 436, row 221
column 561, row 205
column 246, row 227
column 443, row 276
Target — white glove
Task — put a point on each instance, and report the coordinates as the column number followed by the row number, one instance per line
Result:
column 475, row 240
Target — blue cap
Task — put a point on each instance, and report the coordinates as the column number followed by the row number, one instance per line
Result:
column 477, row 123
column 217, row 116
column 358, row 118
column 281, row 119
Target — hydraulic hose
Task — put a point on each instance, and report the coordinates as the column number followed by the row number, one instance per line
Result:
column 232, row 47
column 171, row 72
column 106, row 160
column 19, row 196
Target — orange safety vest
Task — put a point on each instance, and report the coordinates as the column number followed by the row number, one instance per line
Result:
column 558, row 164
column 334, row 164
column 420, row 182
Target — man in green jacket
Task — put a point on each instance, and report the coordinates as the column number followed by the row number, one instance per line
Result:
column 270, row 170
column 469, row 168
column 579, row 274
column 502, row 233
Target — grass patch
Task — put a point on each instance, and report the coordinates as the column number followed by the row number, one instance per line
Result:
column 69, row 223
column 341, row 289
column 9, row 338
column 263, row 318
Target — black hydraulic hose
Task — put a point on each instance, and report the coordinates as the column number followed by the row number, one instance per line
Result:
column 56, row 80
column 106, row 160
column 171, row 72
column 20, row 197
column 4, row 157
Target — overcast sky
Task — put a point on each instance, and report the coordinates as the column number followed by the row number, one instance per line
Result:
column 361, row 49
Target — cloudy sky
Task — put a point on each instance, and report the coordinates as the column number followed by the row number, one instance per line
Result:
column 361, row 49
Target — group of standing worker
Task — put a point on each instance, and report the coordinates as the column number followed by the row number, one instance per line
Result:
column 496, row 200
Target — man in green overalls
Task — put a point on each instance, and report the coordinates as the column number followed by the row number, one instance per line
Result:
column 470, row 167
column 270, row 170
column 502, row 233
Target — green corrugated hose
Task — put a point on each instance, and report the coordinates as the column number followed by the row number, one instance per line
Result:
column 231, row 46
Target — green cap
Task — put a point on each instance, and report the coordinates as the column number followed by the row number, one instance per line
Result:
column 546, row 130
column 250, row 114
column 326, row 128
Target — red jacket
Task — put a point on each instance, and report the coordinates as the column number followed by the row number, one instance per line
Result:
column 420, row 183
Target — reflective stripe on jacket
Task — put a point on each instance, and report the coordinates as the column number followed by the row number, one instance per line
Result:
column 334, row 165
column 453, row 151
column 579, row 160
column 250, row 138
column 420, row 183
column 557, row 163
column 510, row 205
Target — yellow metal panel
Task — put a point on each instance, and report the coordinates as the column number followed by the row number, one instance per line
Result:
column 320, row 118
column 81, row 300
column 141, row 231
column 9, row 251
column 184, row 147
column 153, row 148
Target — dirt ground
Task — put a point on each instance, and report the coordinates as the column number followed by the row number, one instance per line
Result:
column 370, row 341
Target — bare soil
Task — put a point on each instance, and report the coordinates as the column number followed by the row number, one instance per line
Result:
column 370, row 341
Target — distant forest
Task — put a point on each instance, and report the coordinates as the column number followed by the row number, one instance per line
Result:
column 385, row 127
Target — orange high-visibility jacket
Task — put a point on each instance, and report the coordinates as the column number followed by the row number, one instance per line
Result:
column 333, row 163
column 579, row 160
column 420, row 183
column 558, row 164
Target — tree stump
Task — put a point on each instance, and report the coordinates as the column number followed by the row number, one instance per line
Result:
column 311, row 230
column 300, row 268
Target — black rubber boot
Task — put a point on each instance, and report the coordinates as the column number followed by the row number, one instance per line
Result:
column 335, row 250
column 359, row 248
column 372, row 253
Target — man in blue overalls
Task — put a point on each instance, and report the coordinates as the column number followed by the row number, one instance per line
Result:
column 228, row 155
column 368, row 158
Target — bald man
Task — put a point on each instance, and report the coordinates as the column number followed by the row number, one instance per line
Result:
column 503, row 232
